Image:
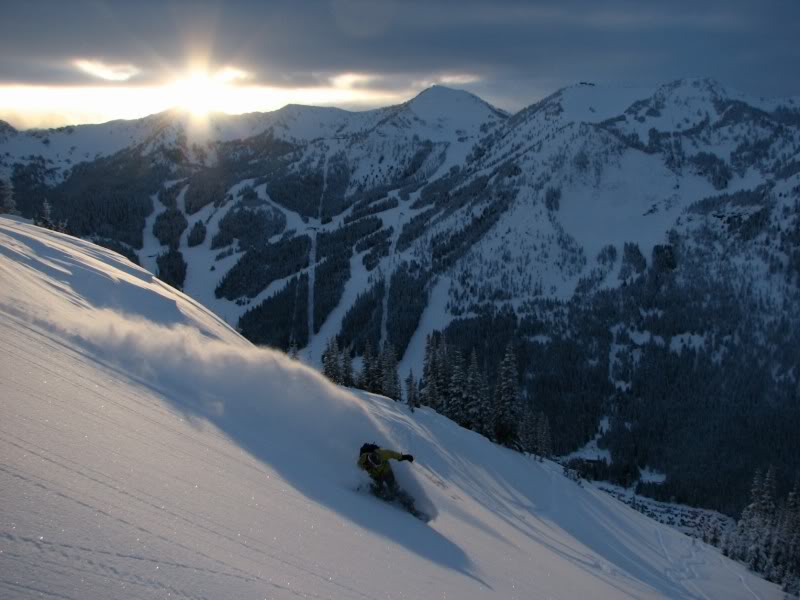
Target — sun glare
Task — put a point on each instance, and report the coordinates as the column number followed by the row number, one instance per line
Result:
column 197, row 91
column 201, row 93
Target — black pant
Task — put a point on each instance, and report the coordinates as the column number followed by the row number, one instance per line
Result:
column 385, row 486
column 385, row 483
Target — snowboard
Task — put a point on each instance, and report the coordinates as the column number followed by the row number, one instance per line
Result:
column 401, row 500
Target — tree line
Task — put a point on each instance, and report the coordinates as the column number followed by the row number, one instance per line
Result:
column 455, row 387
column 767, row 535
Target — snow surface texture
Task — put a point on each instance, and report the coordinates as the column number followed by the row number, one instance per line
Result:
column 148, row 450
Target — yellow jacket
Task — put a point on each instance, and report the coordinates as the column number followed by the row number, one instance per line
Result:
column 382, row 457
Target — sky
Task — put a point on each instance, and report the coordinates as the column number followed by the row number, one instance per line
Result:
column 94, row 60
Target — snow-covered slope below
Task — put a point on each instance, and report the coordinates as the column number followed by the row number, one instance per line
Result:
column 149, row 450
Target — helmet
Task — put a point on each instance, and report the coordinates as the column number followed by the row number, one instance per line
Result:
column 365, row 448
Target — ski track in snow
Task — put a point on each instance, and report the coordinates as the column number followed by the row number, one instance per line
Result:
column 724, row 562
column 685, row 574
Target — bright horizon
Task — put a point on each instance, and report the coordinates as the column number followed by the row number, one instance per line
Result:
column 197, row 91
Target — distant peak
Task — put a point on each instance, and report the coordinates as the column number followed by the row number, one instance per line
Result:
column 439, row 88
column 442, row 98
column 293, row 108
column 442, row 91
column 6, row 127
column 694, row 84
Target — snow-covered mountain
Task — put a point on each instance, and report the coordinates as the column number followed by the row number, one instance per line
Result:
column 604, row 231
column 148, row 449
column 438, row 114
column 624, row 163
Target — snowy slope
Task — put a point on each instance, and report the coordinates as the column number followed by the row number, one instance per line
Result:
column 148, row 450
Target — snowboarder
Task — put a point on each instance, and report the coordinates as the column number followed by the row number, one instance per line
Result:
column 375, row 461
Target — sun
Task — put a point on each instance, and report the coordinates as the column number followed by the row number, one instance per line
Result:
column 201, row 92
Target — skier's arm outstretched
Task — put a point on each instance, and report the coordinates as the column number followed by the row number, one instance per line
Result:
column 391, row 454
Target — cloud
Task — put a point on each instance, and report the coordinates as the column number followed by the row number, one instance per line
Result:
column 354, row 80
column 96, row 68
column 231, row 74
column 459, row 79
column 516, row 50
column 364, row 18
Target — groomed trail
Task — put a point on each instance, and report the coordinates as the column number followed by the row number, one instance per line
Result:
column 147, row 450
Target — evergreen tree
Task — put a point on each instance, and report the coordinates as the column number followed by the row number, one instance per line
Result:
column 8, row 204
column 777, row 561
column 767, row 500
column 767, row 536
column 427, row 361
column 748, row 522
column 528, row 433
column 347, row 368
column 429, row 391
column 728, row 544
column 792, row 584
column 338, row 360
column 376, row 374
column 543, row 438
column 485, row 408
column 172, row 268
column 331, row 367
column 747, row 540
column 442, row 375
column 293, row 349
column 457, row 389
column 430, row 395
column 364, row 381
column 327, row 360
column 45, row 219
column 47, row 214
column 712, row 536
column 412, row 398
column 472, row 393
column 758, row 558
column 791, row 579
column 197, row 234
column 507, row 400
column 390, row 383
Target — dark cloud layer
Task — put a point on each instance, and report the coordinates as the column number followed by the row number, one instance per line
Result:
column 518, row 50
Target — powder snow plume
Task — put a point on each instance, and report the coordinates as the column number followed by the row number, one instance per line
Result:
column 261, row 398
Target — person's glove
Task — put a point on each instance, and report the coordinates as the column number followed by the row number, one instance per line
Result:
column 407, row 457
